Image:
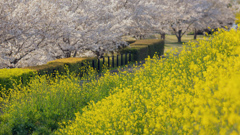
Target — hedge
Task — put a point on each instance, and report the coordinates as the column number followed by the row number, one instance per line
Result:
column 22, row 75
column 58, row 65
column 15, row 75
column 141, row 49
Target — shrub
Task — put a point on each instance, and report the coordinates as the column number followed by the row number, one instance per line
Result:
column 141, row 49
column 10, row 76
column 74, row 65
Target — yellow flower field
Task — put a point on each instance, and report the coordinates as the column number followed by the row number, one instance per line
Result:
column 195, row 93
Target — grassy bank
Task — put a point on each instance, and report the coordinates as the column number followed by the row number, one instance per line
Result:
column 172, row 42
column 195, row 93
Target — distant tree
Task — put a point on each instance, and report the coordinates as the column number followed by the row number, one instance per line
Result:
column 217, row 15
column 188, row 15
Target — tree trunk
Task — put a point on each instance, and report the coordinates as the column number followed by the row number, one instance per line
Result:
column 195, row 34
column 163, row 36
column 75, row 53
column 68, row 54
column 179, row 36
column 179, row 39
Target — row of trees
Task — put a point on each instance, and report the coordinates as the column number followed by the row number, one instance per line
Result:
column 33, row 32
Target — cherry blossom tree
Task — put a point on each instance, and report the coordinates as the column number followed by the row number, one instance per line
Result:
column 26, row 26
column 33, row 32
column 218, row 14
column 186, row 15
column 55, row 29
column 99, row 26
column 144, row 16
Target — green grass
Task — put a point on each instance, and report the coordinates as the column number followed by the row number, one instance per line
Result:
column 172, row 42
